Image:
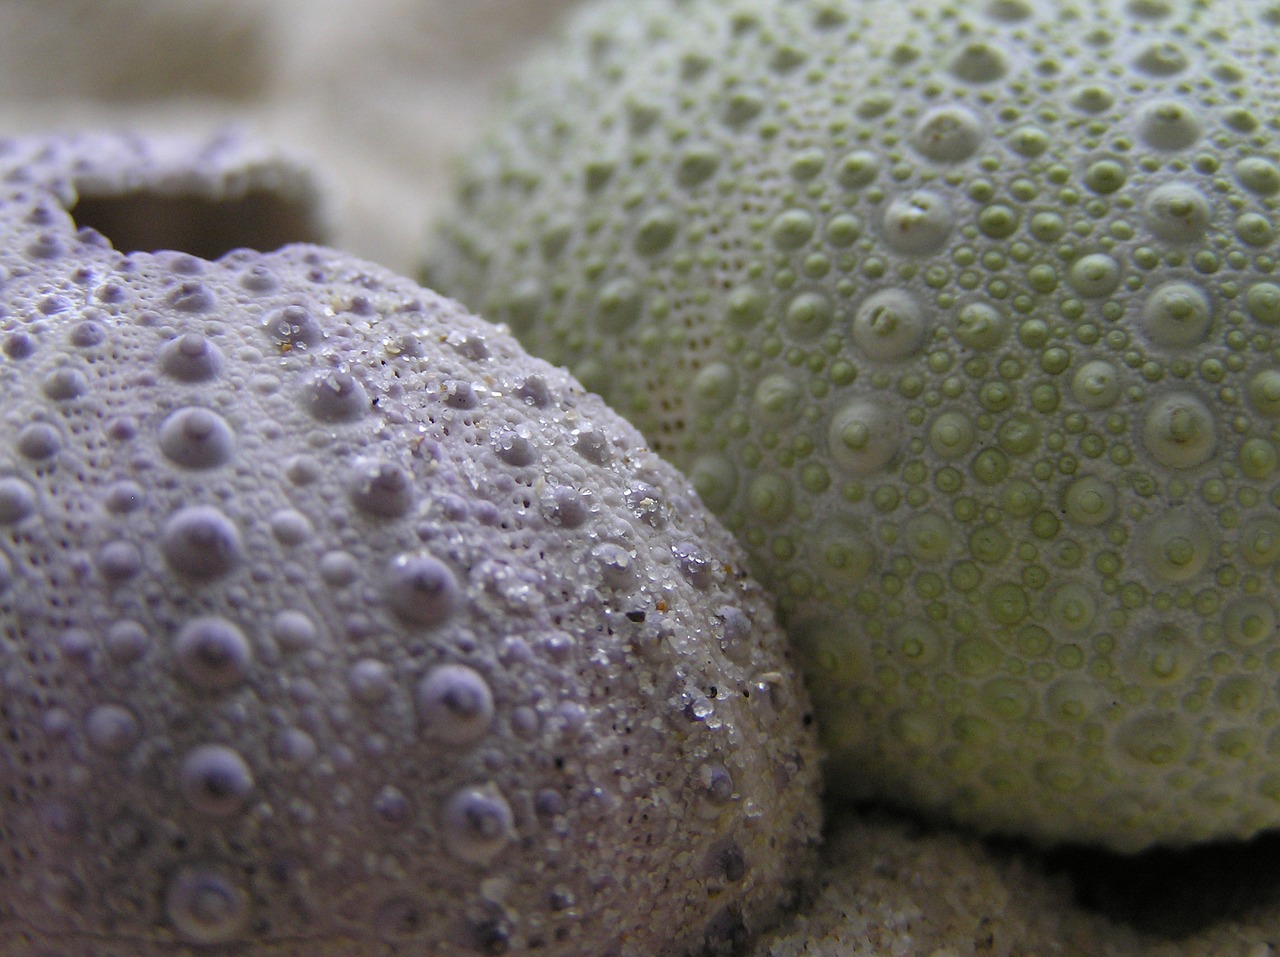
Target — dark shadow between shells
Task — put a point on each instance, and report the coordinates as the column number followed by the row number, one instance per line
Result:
column 1174, row 893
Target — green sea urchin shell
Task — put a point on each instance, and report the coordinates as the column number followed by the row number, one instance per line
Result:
column 963, row 316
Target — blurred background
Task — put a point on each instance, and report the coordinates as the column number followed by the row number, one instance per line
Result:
column 377, row 95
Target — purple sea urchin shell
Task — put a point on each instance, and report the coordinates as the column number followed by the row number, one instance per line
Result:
column 332, row 624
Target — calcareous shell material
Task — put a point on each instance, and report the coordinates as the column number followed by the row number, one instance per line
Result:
column 332, row 623
column 963, row 316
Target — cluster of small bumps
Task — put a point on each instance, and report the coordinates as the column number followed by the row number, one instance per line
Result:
column 964, row 317
column 332, row 623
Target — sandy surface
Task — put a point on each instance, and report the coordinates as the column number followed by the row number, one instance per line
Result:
column 380, row 94
column 377, row 94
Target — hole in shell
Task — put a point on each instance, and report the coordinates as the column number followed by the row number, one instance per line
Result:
column 145, row 221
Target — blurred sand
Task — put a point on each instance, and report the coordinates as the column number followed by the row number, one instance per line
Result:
column 377, row 94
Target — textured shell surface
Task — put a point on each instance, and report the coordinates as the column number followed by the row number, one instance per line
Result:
column 963, row 317
column 333, row 624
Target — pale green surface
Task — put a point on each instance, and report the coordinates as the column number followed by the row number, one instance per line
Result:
column 962, row 316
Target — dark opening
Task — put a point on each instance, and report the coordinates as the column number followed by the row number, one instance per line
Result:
column 207, row 228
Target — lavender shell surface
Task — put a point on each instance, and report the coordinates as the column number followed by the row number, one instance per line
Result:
column 332, row 623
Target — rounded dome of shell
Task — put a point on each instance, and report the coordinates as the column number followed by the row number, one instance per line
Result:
column 962, row 316
column 301, row 657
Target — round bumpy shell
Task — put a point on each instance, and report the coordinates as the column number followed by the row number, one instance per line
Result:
column 963, row 316
column 333, row 624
